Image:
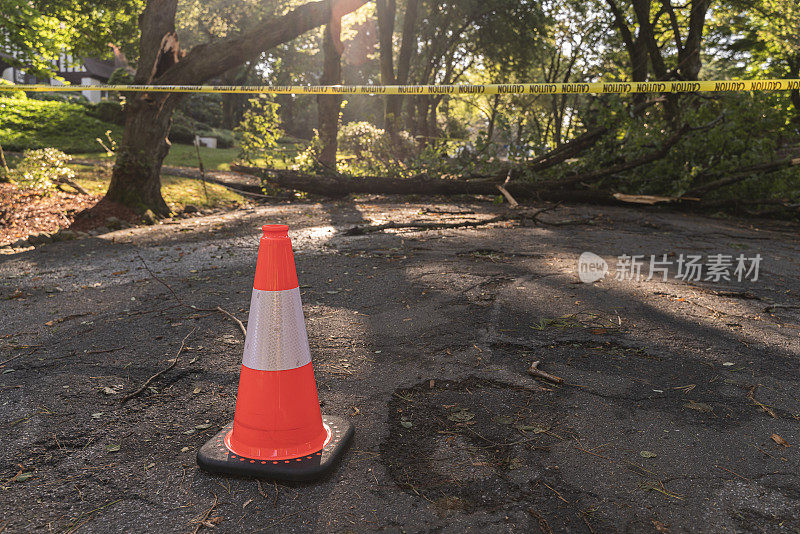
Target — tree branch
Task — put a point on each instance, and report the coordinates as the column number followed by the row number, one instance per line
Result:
column 743, row 174
column 212, row 59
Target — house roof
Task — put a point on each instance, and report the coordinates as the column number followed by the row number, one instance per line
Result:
column 99, row 68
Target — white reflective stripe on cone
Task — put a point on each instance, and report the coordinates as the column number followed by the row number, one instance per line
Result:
column 276, row 332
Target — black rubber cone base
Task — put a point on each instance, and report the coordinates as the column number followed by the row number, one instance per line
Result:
column 214, row 457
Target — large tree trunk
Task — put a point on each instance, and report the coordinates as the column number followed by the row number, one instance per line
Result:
column 393, row 104
column 794, row 70
column 492, row 118
column 328, row 106
column 387, row 10
column 637, row 52
column 135, row 180
column 689, row 63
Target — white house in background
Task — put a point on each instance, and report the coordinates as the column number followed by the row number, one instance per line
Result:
column 76, row 71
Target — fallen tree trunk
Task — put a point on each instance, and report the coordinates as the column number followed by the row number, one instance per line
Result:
column 337, row 186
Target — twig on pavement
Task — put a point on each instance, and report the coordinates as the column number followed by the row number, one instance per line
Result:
column 139, row 391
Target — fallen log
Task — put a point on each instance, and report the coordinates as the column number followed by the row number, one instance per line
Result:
column 337, row 186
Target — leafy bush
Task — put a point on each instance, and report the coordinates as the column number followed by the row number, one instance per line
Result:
column 107, row 111
column 259, row 130
column 308, row 158
column 717, row 146
column 120, row 76
column 373, row 150
column 13, row 95
column 184, row 128
column 42, row 170
column 28, row 124
column 203, row 108
column 361, row 139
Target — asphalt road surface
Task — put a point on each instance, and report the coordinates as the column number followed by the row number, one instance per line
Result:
column 678, row 403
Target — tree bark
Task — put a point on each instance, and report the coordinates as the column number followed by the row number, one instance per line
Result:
column 492, row 118
column 339, row 185
column 794, row 95
column 387, row 12
column 637, row 52
column 328, row 106
column 689, row 63
column 3, row 167
column 135, row 180
column 136, row 177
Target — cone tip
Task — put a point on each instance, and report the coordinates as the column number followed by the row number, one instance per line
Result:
column 275, row 230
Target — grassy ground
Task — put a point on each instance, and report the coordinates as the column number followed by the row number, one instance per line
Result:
column 178, row 192
column 217, row 159
column 28, row 124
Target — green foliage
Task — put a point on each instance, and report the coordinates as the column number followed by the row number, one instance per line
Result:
column 120, row 76
column 42, row 170
column 373, row 151
column 730, row 132
column 31, row 124
column 107, row 111
column 205, row 109
column 14, row 95
column 259, row 130
column 184, row 128
column 308, row 159
column 35, row 32
column 362, row 139
column 748, row 133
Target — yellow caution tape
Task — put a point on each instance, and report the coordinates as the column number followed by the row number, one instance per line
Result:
column 486, row 89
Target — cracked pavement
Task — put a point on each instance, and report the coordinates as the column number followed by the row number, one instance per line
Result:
column 423, row 339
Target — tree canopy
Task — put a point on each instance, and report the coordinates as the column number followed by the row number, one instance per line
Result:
column 665, row 144
column 35, row 32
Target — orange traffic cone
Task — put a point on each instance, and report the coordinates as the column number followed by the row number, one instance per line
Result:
column 278, row 430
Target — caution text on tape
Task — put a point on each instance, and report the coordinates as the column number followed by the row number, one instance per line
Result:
column 489, row 89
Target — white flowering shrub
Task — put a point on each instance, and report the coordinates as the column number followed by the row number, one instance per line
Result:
column 42, row 169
